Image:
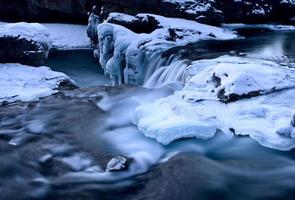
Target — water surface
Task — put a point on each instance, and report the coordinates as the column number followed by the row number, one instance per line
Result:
column 58, row 148
column 80, row 65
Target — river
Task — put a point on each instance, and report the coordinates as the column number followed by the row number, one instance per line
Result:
column 58, row 148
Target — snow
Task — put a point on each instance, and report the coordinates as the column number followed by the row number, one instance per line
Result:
column 68, row 36
column 291, row 2
column 61, row 36
column 192, row 6
column 25, row 83
column 124, row 52
column 117, row 163
column 29, row 31
column 192, row 112
column 235, row 75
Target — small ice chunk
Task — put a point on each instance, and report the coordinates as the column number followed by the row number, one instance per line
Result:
column 117, row 163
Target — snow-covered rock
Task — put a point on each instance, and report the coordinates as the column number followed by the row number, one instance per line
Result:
column 23, row 30
column 232, row 78
column 26, row 83
column 117, row 163
column 123, row 52
column 26, row 43
column 195, row 112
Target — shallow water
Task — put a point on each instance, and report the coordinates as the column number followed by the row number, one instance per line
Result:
column 278, row 46
column 58, row 148
column 80, row 65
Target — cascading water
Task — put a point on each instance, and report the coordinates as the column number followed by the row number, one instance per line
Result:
column 163, row 70
column 171, row 73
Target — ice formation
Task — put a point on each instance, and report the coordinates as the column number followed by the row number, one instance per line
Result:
column 196, row 111
column 125, row 59
column 26, row 83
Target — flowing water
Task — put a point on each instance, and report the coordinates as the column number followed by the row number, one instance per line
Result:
column 58, row 148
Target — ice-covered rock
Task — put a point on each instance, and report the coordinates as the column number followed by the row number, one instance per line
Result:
column 232, row 78
column 26, row 83
column 203, row 11
column 96, row 17
column 117, row 163
column 26, row 43
column 195, row 111
column 123, row 53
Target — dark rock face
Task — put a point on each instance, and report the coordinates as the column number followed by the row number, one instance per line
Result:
column 137, row 24
column 74, row 11
column 204, row 11
column 19, row 50
column 187, row 10
column 256, row 11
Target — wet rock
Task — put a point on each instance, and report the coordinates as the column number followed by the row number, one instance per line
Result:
column 19, row 50
column 293, row 121
column 117, row 163
column 25, row 43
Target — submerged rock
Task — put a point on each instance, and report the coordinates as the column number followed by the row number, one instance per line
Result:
column 117, row 163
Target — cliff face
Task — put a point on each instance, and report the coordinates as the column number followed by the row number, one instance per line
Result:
column 204, row 11
column 74, row 11
column 256, row 11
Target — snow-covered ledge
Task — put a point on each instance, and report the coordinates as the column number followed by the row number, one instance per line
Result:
column 26, row 83
column 196, row 110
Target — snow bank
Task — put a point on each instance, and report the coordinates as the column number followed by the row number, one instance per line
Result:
column 192, row 6
column 61, row 36
column 192, row 112
column 122, row 53
column 233, row 78
column 68, row 36
column 28, row 31
column 26, row 83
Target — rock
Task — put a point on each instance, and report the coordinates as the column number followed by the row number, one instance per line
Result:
column 73, row 11
column 293, row 120
column 22, row 51
column 137, row 24
column 95, row 18
column 25, row 43
column 117, row 163
column 256, row 11
column 203, row 11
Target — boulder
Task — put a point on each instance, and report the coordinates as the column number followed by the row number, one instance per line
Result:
column 203, row 11
column 74, row 11
column 117, row 163
column 25, row 43
column 256, row 11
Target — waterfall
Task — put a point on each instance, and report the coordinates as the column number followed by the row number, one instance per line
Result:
column 161, row 71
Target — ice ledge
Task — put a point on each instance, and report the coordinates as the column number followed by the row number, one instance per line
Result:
column 25, row 83
column 196, row 112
